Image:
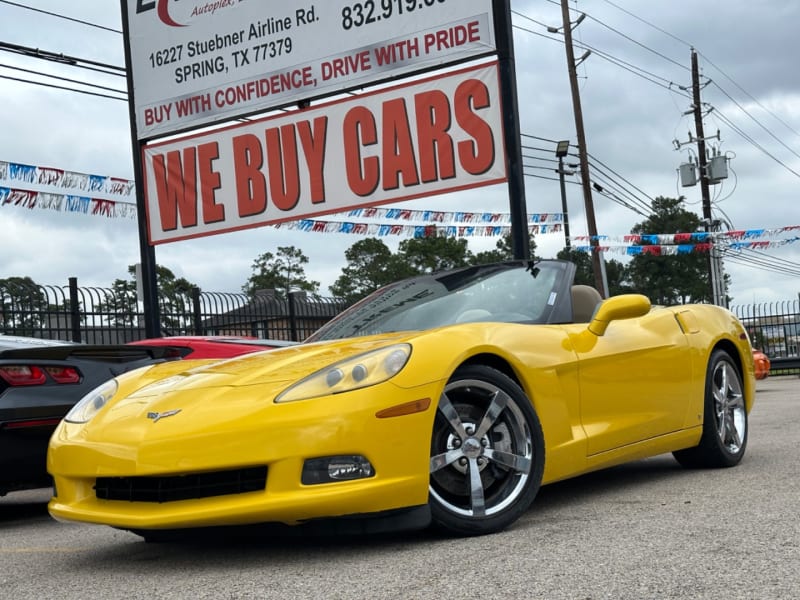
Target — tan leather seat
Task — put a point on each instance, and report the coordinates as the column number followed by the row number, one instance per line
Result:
column 585, row 300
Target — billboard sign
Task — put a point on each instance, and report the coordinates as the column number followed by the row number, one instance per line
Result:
column 438, row 134
column 198, row 62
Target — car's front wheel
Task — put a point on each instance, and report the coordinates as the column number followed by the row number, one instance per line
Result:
column 487, row 453
column 724, row 437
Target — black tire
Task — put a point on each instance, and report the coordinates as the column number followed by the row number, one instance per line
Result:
column 724, row 437
column 487, row 453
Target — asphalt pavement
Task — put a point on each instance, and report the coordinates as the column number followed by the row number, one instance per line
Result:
column 646, row 530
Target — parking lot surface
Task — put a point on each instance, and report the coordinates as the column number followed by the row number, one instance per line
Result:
column 649, row 529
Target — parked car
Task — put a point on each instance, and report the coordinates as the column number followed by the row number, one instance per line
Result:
column 762, row 364
column 214, row 346
column 443, row 400
column 40, row 380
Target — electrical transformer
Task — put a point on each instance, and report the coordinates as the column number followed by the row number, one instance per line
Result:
column 688, row 174
column 717, row 169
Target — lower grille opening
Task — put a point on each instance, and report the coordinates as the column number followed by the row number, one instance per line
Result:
column 181, row 487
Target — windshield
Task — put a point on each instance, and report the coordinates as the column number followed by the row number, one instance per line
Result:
column 512, row 292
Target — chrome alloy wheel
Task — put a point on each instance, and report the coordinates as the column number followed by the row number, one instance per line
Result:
column 481, row 449
column 731, row 416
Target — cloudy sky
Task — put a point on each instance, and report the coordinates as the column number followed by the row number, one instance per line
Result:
column 634, row 95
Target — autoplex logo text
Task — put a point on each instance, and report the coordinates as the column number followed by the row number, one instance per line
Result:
column 181, row 13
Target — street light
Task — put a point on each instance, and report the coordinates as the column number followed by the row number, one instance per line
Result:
column 562, row 148
column 573, row 24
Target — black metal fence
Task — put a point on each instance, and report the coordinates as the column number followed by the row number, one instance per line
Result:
column 105, row 316
column 774, row 329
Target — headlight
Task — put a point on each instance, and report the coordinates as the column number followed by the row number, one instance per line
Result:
column 92, row 402
column 360, row 371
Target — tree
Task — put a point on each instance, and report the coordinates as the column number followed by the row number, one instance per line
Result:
column 616, row 272
column 370, row 265
column 121, row 307
column 22, row 303
column 174, row 295
column 503, row 251
column 676, row 279
column 282, row 272
column 435, row 253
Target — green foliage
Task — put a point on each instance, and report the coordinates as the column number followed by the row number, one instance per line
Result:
column 616, row 272
column 670, row 280
column 174, row 294
column 584, row 274
column 503, row 251
column 370, row 265
column 666, row 280
column 435, row 253
column 22, row 303
column 121, row 306
column 282, row 272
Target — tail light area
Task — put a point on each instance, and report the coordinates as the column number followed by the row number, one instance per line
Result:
column 29, row 375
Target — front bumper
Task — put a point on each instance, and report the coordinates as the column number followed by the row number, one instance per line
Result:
column 280, row 437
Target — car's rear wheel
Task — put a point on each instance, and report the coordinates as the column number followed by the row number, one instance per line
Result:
column 724, row 437
column 487, row 453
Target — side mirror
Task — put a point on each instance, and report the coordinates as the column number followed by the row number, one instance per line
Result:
column 626, row 306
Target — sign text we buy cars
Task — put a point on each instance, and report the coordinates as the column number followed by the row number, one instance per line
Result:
column 430, row 136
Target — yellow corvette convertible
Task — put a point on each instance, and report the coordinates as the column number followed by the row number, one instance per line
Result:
column 443, row 400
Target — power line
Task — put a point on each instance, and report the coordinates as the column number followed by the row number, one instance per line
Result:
column 719, row 114
column 64, row 59
column 597, row 160
column 653, row 78
column 745, row 111
column 61, row 87
column 663, row 82
column 67, row 79
column 638, row 71
column 66, row 18
column 638, row 43
column 656, row 27
column 749, row 259
column 746, row 93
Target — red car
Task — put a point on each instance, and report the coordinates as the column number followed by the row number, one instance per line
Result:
column 214, row 346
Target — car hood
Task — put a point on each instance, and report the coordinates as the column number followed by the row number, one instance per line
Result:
column 279, row 366
column 212, row 391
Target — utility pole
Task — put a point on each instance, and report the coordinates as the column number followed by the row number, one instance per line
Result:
column 582, row 152
column 702, row 157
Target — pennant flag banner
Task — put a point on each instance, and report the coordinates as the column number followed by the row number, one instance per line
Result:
column 415, row 231
column 67, row 203
column 434, row 216
column 430, row 222
column 651, row 250
column 675, row 249
column 687, row 238
column 685, row 243
column 65, row 179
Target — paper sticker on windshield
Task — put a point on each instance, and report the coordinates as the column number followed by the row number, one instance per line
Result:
column 552, row 300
